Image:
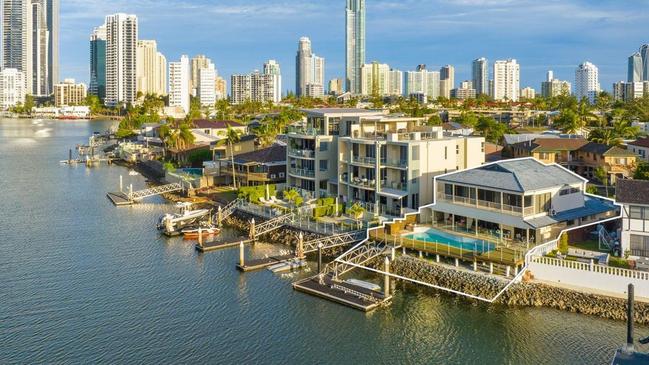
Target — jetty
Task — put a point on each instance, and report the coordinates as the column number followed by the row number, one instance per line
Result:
column 121, row 198
column 354, row 296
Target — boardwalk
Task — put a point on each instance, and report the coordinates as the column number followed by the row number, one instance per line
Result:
column 341, row 292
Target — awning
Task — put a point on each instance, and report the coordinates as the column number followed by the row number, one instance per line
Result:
column 393, row 193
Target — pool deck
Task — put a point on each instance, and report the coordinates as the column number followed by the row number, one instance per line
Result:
column 500, row 255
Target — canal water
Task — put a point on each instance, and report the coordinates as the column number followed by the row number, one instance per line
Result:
column 84, row 282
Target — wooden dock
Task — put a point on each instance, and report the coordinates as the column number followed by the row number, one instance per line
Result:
column 119, row 199
column 343, row 293
column 218, row 245
column 258, row 264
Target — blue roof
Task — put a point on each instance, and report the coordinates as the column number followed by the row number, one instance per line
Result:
column 520, row 175
column 592, row 206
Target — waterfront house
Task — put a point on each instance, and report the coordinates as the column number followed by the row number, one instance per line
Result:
column 384, row 162
column 217, row 128
column 580, row 156
column 641, row 148
column 633, row 196
column 260, row 167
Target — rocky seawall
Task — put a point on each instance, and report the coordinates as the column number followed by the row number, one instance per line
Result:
column 529, row 294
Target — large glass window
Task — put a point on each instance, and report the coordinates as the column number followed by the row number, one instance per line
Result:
column 415, row 153
column 639, row 245
column 635, row 212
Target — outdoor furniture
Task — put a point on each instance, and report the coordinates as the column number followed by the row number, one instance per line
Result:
column 586, row 255
column 642, row 264
column 264, row 201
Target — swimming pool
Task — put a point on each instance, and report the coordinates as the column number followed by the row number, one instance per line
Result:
column 466, row 243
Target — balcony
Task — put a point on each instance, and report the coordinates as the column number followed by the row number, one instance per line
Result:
column 401, row 164
column 362, row 182
column 304, row 131
column 294, row 152
column 301, row 172
column 371, row 161
column 401, row 186
column 485, row 204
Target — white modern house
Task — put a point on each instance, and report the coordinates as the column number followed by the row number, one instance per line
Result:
column 633, row 195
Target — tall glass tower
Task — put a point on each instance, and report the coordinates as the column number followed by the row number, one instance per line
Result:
column 635, row 71
column 98, row 62
column 480, row 76
column 644, row 53
column 355, row 44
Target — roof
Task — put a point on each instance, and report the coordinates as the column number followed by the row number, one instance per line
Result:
column 518, row 175
column 641, row 142
column 216, row 124
column 605, row 150
column 273, row 153
column 552, row 144
column 518, row 138
column 592, row 206
column 323, row 111
column 632, row 191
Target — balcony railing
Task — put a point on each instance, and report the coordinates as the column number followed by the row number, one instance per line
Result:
column 301, row 172
column 301, row 153
column 363, row 182
column 506, row 208
column 394, row 163
column 364, row 160
column 394, row 185
column 304, row 131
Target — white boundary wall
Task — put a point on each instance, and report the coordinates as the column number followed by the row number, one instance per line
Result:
column 590, row 276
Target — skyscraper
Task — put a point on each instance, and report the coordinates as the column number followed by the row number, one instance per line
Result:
column 121, row 58
column 423, row 82
column 151, row 69
column 98, row 62
column 446, row 80
column 309, row 70
column 179, row 80
column 644, row 53
column 587, row 81
column 354, row 44
column 635, row 72
column 375, row 79
column 17, row 39
column 506, row 85
column 206, row 91
column 30, row 42
column 198, row 62
column 480, row 75
column 271, row 68
column 554, row 87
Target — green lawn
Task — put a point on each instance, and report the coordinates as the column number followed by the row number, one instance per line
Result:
column 590, row 245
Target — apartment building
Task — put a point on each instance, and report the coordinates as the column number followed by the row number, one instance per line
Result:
column 633, row 195
column 385, row 162
column 69, row 93
column 580, row 156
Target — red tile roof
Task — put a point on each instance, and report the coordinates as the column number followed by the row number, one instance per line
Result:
column 216, row 124
column 641, row 142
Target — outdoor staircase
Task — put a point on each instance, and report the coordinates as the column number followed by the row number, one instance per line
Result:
column 606, row 241
column 341, row 239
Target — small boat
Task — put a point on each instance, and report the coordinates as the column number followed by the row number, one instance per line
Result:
column 363, row 284
column 133, row 173
column 172, row 223
column 287, row 265
column 192, row 233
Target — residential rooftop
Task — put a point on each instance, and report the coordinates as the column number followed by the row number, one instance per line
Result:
column 552, row 144
column 216, row 124
column 641, row 142
column 518, row 175
column 632, row 191
column 274, row 153
column 350, row 111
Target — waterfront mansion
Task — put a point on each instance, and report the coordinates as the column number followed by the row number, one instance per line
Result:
column 387, row 163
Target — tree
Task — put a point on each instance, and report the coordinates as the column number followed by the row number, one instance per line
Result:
column 468, row 119
column 569, row 122
column 194, row 111
column 491, row 129
column 293, row 197
column 223, row 109
column 585, row 113
column 94, row 103
column 434, row 120
column 232, row 137
column 563, row 244
column 605, row 136
column 623, row 129
column 642, row 171
column 602, row 175
column 29, row 104
column 356, row 210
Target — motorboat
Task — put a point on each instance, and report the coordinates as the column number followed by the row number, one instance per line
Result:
column 171, row 223
column 287, row 265
column 363, row 284
column 193, row 233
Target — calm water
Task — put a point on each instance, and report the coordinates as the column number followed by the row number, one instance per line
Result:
column 84, row 282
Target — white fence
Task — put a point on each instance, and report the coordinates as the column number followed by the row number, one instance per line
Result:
column 590, row 276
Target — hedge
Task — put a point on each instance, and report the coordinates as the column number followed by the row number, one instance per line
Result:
column 253, row 193
column 328, row 210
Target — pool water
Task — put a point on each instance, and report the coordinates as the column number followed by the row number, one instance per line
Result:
column 466, row 243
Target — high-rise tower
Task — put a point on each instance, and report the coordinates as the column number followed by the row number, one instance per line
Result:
column 354, row 44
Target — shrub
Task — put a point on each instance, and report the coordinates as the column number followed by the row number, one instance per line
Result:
column 618, row 262
column 253, row 193
column 563, row 244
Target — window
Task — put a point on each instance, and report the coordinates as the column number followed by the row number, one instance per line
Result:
column 457, row 149
column 446, row 152
column 281, row 174
column 415, row 153
column 635, row 212
column 415, row 177
column 568, row 191
column 482, row 147
column 324, row 146
column 639, row 245
column 448, row 189
column 324, row 165
column 272, row 176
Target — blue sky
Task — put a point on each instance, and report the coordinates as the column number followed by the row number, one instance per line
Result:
column 239, row 35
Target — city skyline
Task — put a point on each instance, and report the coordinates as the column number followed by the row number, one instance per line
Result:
column 450, row 35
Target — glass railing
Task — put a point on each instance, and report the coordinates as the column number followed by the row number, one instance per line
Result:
column 301, row 153
column 364, row 160
column 394, row 163
column 302, row 172
column 394, row 185
column 304, row 131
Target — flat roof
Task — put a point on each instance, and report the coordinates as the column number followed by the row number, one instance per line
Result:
column 323, row 111
column 519, row 175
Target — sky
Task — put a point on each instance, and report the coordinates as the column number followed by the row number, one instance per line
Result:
column 240, row 35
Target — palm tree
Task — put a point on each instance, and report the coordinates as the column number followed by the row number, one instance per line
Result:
column 624, row 129
column 232, row 137
column 293, row 197
column 605, row 136
column 569, row 122
column 356, row 210
column 602, row 175
column 186, row 136
column 585, row 113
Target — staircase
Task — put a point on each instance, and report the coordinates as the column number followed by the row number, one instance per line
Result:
column 341, row 239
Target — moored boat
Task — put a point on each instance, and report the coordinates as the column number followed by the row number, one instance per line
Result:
column 193, row 233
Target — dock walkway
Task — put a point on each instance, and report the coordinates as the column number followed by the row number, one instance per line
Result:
column 262, row 263
column 341, row 292
column 218, row 245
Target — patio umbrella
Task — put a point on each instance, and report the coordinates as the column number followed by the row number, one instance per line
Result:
column 267, row 192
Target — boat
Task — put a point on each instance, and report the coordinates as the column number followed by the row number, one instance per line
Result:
column 133, row 173
column 172, row 223
column 364, row 284
column 193, row 232
column 287, row 265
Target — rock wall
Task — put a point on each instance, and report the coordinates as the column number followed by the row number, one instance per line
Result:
column 520, row 294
